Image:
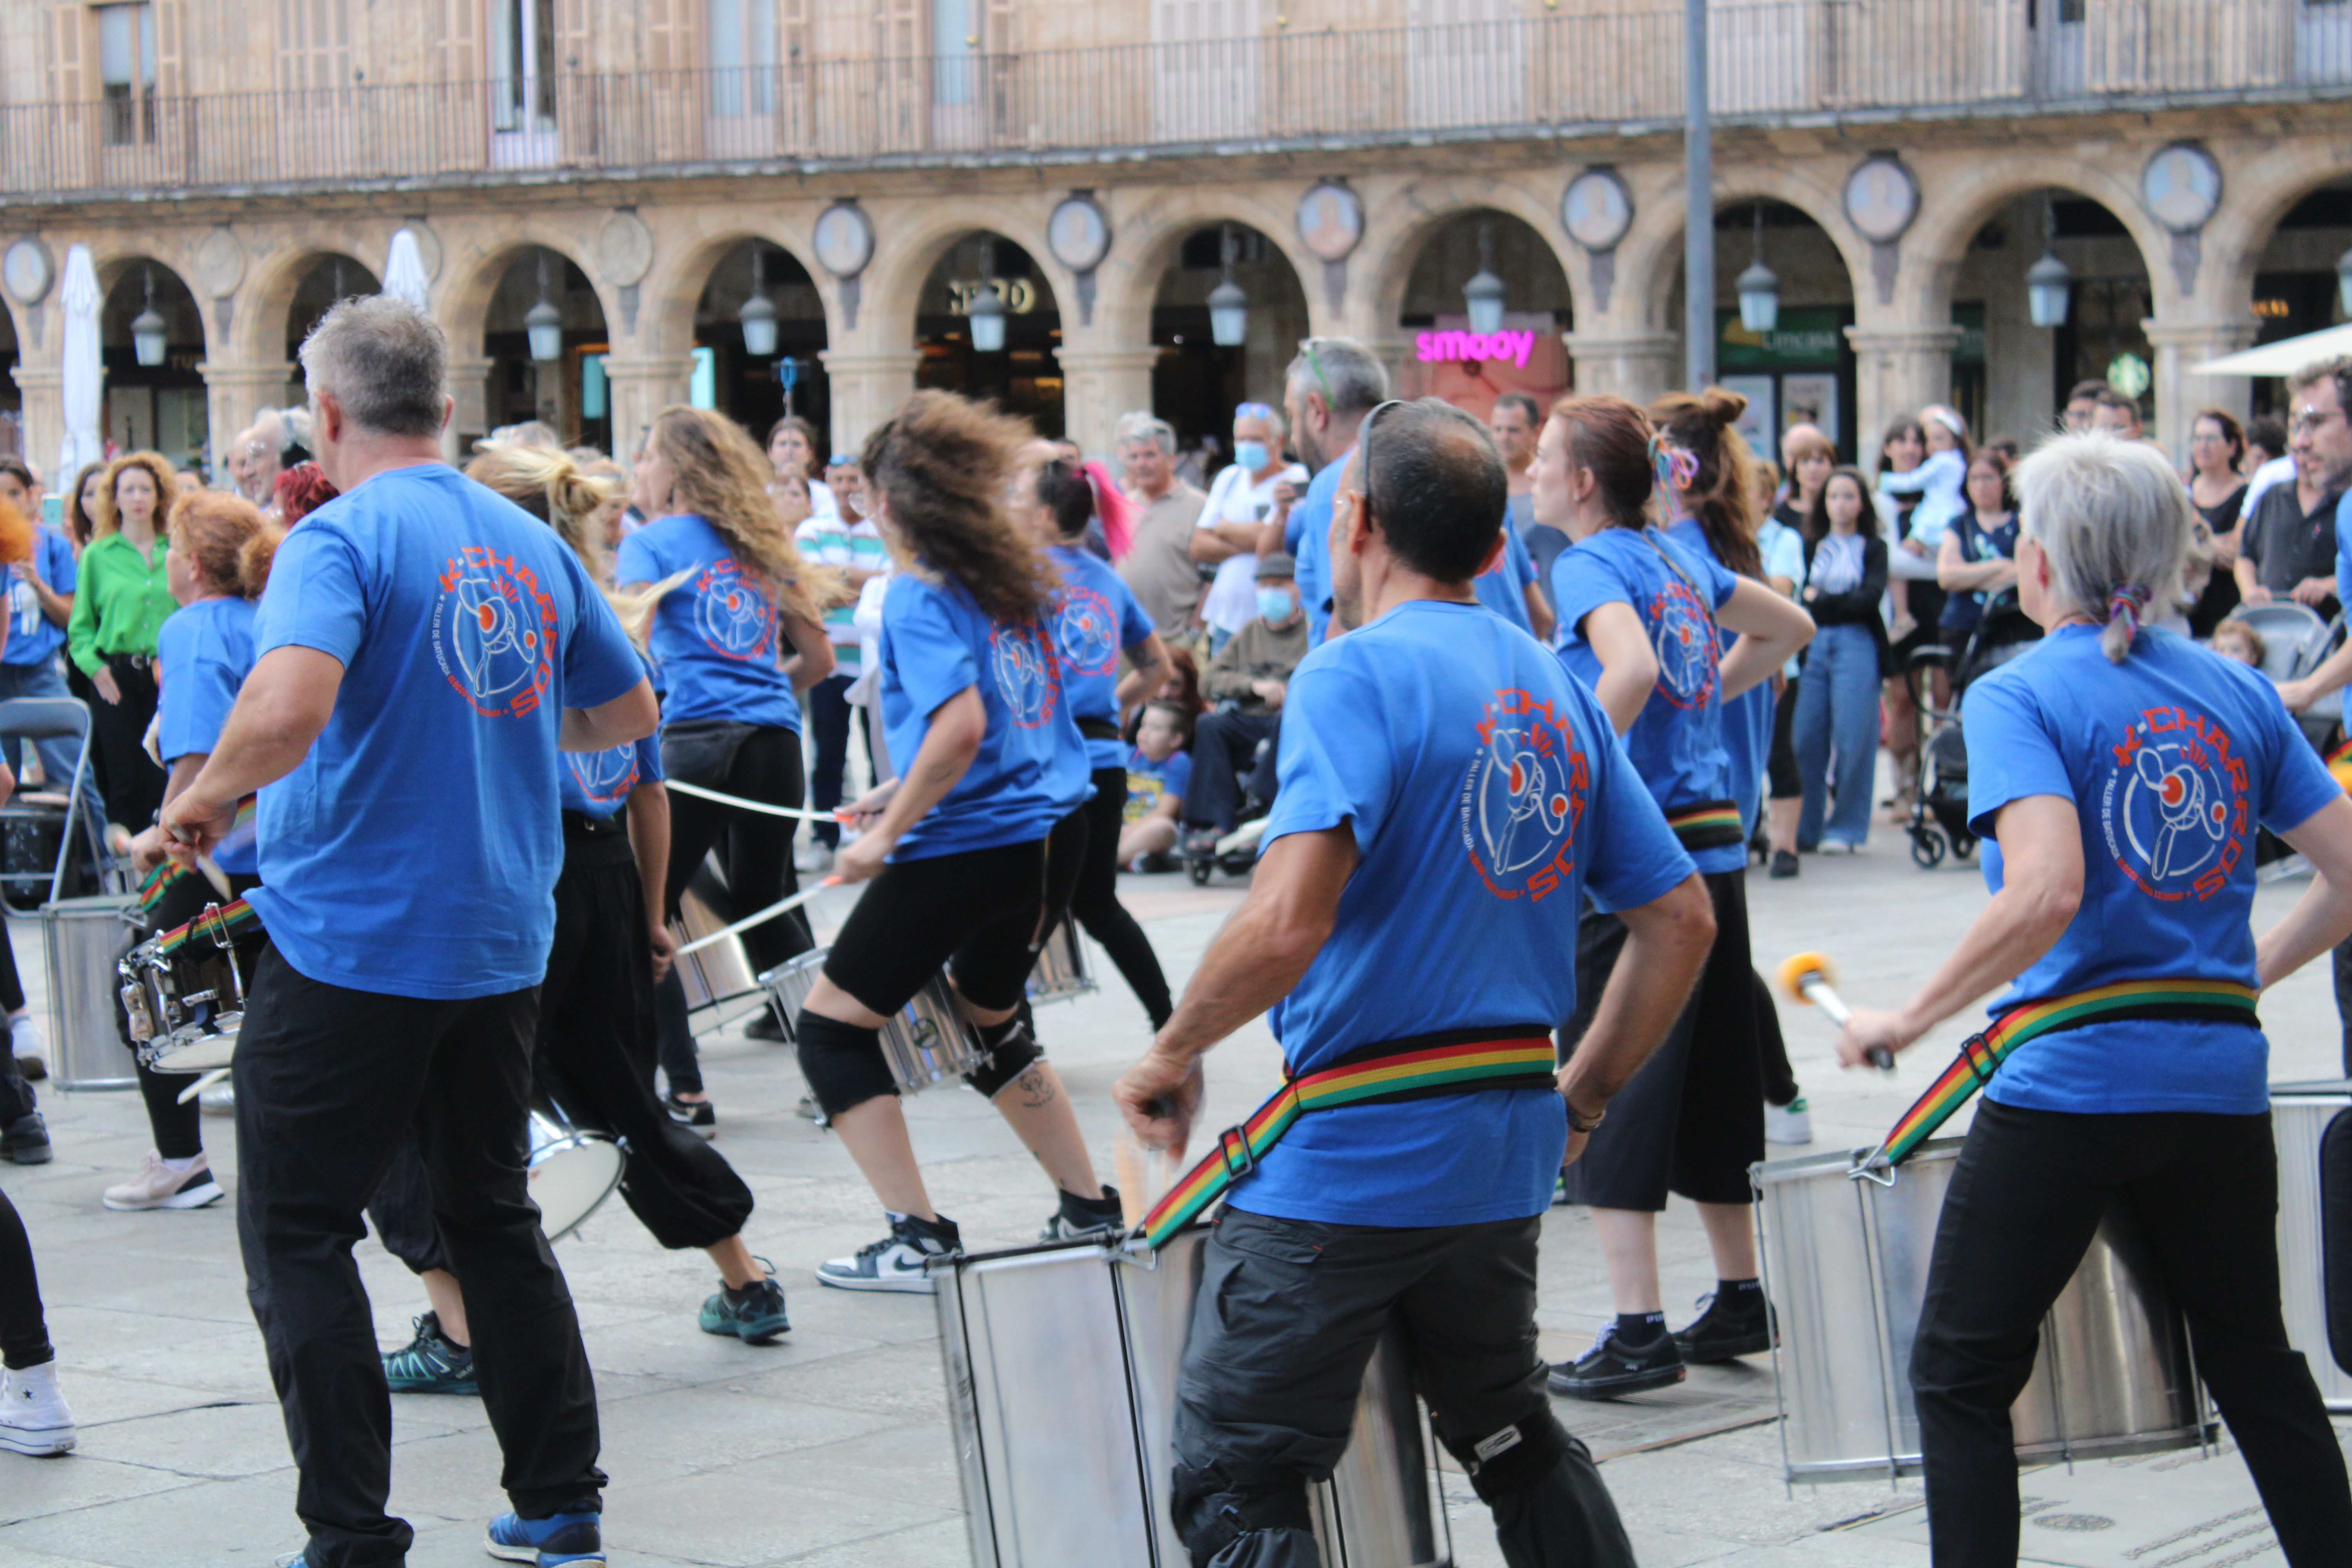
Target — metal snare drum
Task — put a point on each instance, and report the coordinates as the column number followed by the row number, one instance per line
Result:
column 1845, row 1264
column 719, row 972
column 1062, row 970
column 183, row 1009
column 789, row 984
column 1072, row 1470
column 930, row 1040
column 570, row 1171
column 2313, row 1124
column 82, row 938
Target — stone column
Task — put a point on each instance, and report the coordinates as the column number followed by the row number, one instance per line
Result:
column 1097, row 386
column 234, row 393
column 1897, row 369
column 1634, row 365
column 866, row 387
column 640, row 388
column 469, row 386
column 1395, row 355
column 43, row 386
column 2179, row 347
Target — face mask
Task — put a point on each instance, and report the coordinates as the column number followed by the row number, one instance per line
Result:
column 1252, row 455
column 1273, row 604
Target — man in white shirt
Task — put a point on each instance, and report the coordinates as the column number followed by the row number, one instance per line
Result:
column 846, row 540
column 1246, row 494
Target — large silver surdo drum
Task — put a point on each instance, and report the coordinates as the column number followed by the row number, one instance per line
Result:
column 928, row 1042
column 1061, row 1368
column 82, row 938
column 1845, row 1264
column 2313, row 1123
column 1061, row 971
column 570, row 1171
column 718, row 973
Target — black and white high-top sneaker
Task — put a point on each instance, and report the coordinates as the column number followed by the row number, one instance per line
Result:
column 895, row 1262
column 1085, row 1219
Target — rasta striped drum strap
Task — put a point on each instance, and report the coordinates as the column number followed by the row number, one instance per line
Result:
column 1706, row 824
column 1981, row 1055
column 160, row 881
column 2339, row 765
column 220, row 924
column 1453, row 1061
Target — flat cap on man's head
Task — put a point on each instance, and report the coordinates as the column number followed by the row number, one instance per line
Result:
column 1276, row 564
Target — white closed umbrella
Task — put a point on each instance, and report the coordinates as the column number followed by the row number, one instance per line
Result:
column 2282, row 358
column 84, row 373
column 404, row 272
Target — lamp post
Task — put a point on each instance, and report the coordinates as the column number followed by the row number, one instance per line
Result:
column 1484, row 293
column 1228, row 306
column 1698, row 204
column 151, row 335
column 758, row 314
column 544, row 322
column 986, row 309
column 1759, row 290
column 2049, row 284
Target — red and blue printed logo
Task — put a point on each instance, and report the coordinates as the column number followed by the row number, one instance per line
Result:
column 2176, row 808
column 1683, row 635
column 605, row 778
column 734, row 613
column 494, row 632
column 1024, row 667
column 1086, row 631
column 1523, row 797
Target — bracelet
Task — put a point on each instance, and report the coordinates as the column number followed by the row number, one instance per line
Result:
column 1580, row 1123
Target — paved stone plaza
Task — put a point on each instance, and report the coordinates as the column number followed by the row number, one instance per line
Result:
column 831, row 1448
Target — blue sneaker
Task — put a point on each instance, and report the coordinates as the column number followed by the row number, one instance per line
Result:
column 754, row 1315
column 556, row 1540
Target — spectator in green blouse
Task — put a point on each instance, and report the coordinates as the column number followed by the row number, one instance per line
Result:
column 121, row 599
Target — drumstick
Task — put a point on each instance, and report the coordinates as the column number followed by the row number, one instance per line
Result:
column 1808, row 977
column 204, row 1080
column 780, row 907
column 762, row 806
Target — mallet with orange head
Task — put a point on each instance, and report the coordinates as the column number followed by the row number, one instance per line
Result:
column 1808, row 978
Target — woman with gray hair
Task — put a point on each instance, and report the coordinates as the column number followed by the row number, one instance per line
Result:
column 2118, row 774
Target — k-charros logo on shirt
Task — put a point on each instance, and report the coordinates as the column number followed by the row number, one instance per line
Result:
column 1683, row 635
column 2175, row 804
column 1085, row 629
column 1523, row 796
column 604, row 777
column 1024, row 667
column 733, row 614
column 494, row 632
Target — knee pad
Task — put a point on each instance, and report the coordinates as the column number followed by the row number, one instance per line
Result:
column 842, row 1062
column 1012, row 1048
column 1514, row 1458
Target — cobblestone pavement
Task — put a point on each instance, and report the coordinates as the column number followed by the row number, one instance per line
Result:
column 831, row 1448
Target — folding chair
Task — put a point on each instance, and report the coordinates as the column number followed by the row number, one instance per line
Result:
column 36, row 812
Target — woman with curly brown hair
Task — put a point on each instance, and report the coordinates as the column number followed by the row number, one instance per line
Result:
column 121, row 596
column 990, row 762
column 734, row 644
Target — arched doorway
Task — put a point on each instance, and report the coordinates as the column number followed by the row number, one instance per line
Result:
column 329, row 279
column 566, row 392
column 1196, row 383
column 2297, row 287
column 757, row 389
column 156, row 407
column 1445, row 357
column 1025, row 378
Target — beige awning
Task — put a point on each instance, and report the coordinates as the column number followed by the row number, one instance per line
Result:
column 2282, row 358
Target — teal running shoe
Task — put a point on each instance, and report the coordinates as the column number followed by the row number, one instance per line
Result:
column 430, row 1363
column 754, row 1314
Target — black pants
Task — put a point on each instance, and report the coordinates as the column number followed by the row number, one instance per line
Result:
column 329, row 1080
column 23, row 1331
column 978, row 911
column 1223, row 745
column 1095, row 898
column 16, row 1097
column 1288, row 1316
column 2026, row 1198
column 2344, row 998
column 1784, row 781
column 755, row 851
column 77, row 685
column 134, row 784
column 829, row 711
column 1772, row 1049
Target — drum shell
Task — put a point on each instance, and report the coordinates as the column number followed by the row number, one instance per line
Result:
column 929, row 1041
column 789, row 984
column 1074, row 1468
column 81, row 939
column 592, row 1166
column 2301, row 1116
column 1846, row 1263
column 1062, row 970
column 719, row 972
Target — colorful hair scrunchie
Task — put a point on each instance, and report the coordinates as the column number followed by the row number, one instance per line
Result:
column 2127, row 604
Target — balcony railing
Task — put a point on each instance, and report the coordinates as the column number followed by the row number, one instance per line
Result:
column 1771, row 59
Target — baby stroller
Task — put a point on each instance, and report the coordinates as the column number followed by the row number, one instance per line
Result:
column 1940, row 809
column 2294, row 640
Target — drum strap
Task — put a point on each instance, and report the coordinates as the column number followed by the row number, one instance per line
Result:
column 219, row 922
column 1451, row 1061
column 160, row 881
column 2220, row 1001
column 2339, row 763
column 1706, row 824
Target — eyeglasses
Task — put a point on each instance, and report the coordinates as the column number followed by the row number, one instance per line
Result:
column 1364, row 451
column 1252, row 411
column 2308, row 422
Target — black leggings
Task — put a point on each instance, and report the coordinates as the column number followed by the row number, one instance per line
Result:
column 1094, row 900
column 178, row 1129
column 134, row 784
column 979, row 911
column 755, row 851
column 24, row 1332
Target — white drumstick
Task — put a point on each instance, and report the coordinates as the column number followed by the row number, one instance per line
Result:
column 204, row 1081
column 780, row 907
column 762, row 806
column 1823, row 994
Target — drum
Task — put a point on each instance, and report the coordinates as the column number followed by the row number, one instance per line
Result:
column 570, row 1171
column 1061, row 1367
column 81, row 939
column 719, row 972
column 1845, row 1264
column 789, row 984
column 928, row 1042
column 183, row 1009
column 1062, row 970
column 2313, row 1123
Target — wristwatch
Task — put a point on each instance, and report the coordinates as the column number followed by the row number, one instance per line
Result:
column 1578, row 1123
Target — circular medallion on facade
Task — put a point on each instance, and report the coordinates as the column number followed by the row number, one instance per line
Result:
column 28, row 270
column 1881, row 199
column 2182, row 185
column 843, row 239
column 220, row 264
column 624, row 249
column 1330, row 221
column 1597, row 210
column 1078, row 234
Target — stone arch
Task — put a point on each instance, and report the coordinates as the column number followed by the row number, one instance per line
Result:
column 257, row 334
column 474, row 265
column 2256, row 197
column 1966, row 195
column 1144, row 244
column 1649, row 258
column 1392, row 245
column 915, row 236
column 667, row 297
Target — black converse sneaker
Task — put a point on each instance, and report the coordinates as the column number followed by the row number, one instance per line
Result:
column 1728, row 1328
column 1085, row 1219
column 895, row 1262
column 1613, row 1367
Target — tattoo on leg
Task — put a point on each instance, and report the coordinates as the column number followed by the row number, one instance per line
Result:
column 1036, row 1089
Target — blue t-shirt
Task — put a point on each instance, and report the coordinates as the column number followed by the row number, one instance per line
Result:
column 2171, row 758
column 1031, row 771
column 414, row 849
column 1307, row 535
column 1503, row 587
column 597, row 783
column 203, row 652
column 1148, row 783
column 33, row 638
column 1096, row 617
column 1747, row 718
column 1488, row 799
column 1677, row 742
column 716, row 635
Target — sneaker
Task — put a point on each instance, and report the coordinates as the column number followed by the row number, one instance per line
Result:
column 896, row 1262
column 431, row 1362
column 807, row 1111
column 158, row 1187
column 1085, row 1219
column 1612, row 1368
column 558, row 1538
column 698, row 1114
column 1726, row 1332
column 1784, row 864
column 812, row 856
column 26, row 1141
column 25, row 1040
column 765, row 1026
column 755, row 1316
column 1791, row 1124
column 1202, row 843
column 33, row 1414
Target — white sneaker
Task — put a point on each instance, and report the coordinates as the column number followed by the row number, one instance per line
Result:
column 1791, row 1123
column 26, row 1044
column 33, row 1414
column 896, row 1261
column 158, row 1187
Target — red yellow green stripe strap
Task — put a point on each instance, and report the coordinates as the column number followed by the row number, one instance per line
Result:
column 1710, row 814
column 1981, row 1055
column 160, row 881
column 219, row 922
column 1395, row 1070
column 2339, row 765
